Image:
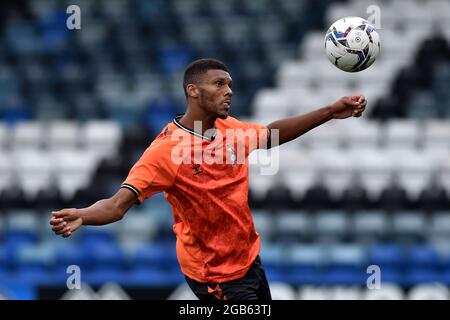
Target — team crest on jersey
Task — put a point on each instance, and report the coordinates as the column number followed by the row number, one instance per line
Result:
column 196, row 169
column 233, row 157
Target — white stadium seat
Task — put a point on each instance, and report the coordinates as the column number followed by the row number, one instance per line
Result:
column 7, row 174
column 271, row 102
column 73, row 170
column 375, row 168
column 4, row 135
column 28, row 135
column 103, row 137
column 63, row 135
column 402, row 133
column 437, row 134
column 34, row 170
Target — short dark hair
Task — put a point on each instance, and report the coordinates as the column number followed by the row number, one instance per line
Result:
column 199, row 67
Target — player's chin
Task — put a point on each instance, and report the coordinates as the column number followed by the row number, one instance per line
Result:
column 222, row 114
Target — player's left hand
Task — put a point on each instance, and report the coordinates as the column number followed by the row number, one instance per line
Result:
column 351, row 106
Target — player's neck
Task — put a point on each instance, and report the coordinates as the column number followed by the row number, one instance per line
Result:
column 191, row 119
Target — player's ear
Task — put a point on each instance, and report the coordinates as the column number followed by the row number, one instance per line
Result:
column 192, row 90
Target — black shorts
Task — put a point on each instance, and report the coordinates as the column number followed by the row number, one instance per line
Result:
column 253, row 286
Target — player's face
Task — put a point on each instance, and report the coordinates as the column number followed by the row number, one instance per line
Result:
column 215, row 93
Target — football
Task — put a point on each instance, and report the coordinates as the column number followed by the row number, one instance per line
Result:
column 352, row 44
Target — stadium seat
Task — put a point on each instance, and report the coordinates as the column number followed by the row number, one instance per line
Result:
column 332, row 225
column 437, row 134
column 28, row 135
column 444, row 173
column 270, row 102
column 371, row 225
column 375, row 169
column 63, row 135
column 264, row 221
column 34, row 170
column 293, row 226
column 259, row 184
column 22, row 222
column 4, row 135
column 71, row 254
column 6, row 170
column 155, row 254
column 391, row 275
column 69, row 102
column 420, row 276
column 359, row 133
column 305, row 263
column 336, row 169
column 389, row 255
column 423, row 106
column 34, row 276
column 439, row 224
column 414, row 171
column 102, row 253
column 299, row 171
column 347, row 256
column 344, row 277
column 152, row 277
column 274, row 255
column 402, row 133
column 423, row 256
column 307, row 256
column 327, row 137
column 103, row 137
column 41, row 254
column 137, row 227
column 74, row 169
column 409, row 225
column 101, row 275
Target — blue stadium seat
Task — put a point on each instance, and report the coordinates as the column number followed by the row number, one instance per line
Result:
column 34, row 275
column 421, row 275
column 37, row 254
column 349, row 256
column 101, row 275
column 20, row 225
column 445, row 277
column 14, row 240
column 5, row 256
column 101, row 253
column 155, row 255
column 93, row 234
column 391, row 275
column 273, row 255
column 341, row 276
column 147, row 276
column 174, row 58
column 306, row 257
column 386, row 255
column 422, row 256
column 303, row 277
column 148, row 9
column 71, row 254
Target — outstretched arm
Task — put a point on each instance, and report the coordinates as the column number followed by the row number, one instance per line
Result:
column 102, row 212
column 293, row 127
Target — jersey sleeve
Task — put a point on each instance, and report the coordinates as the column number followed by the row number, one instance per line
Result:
column 154, row 172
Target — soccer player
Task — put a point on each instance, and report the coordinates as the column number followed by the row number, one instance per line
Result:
column 199, row 161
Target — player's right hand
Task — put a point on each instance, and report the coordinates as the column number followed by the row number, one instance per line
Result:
column 351, row 106
column 65, row 222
